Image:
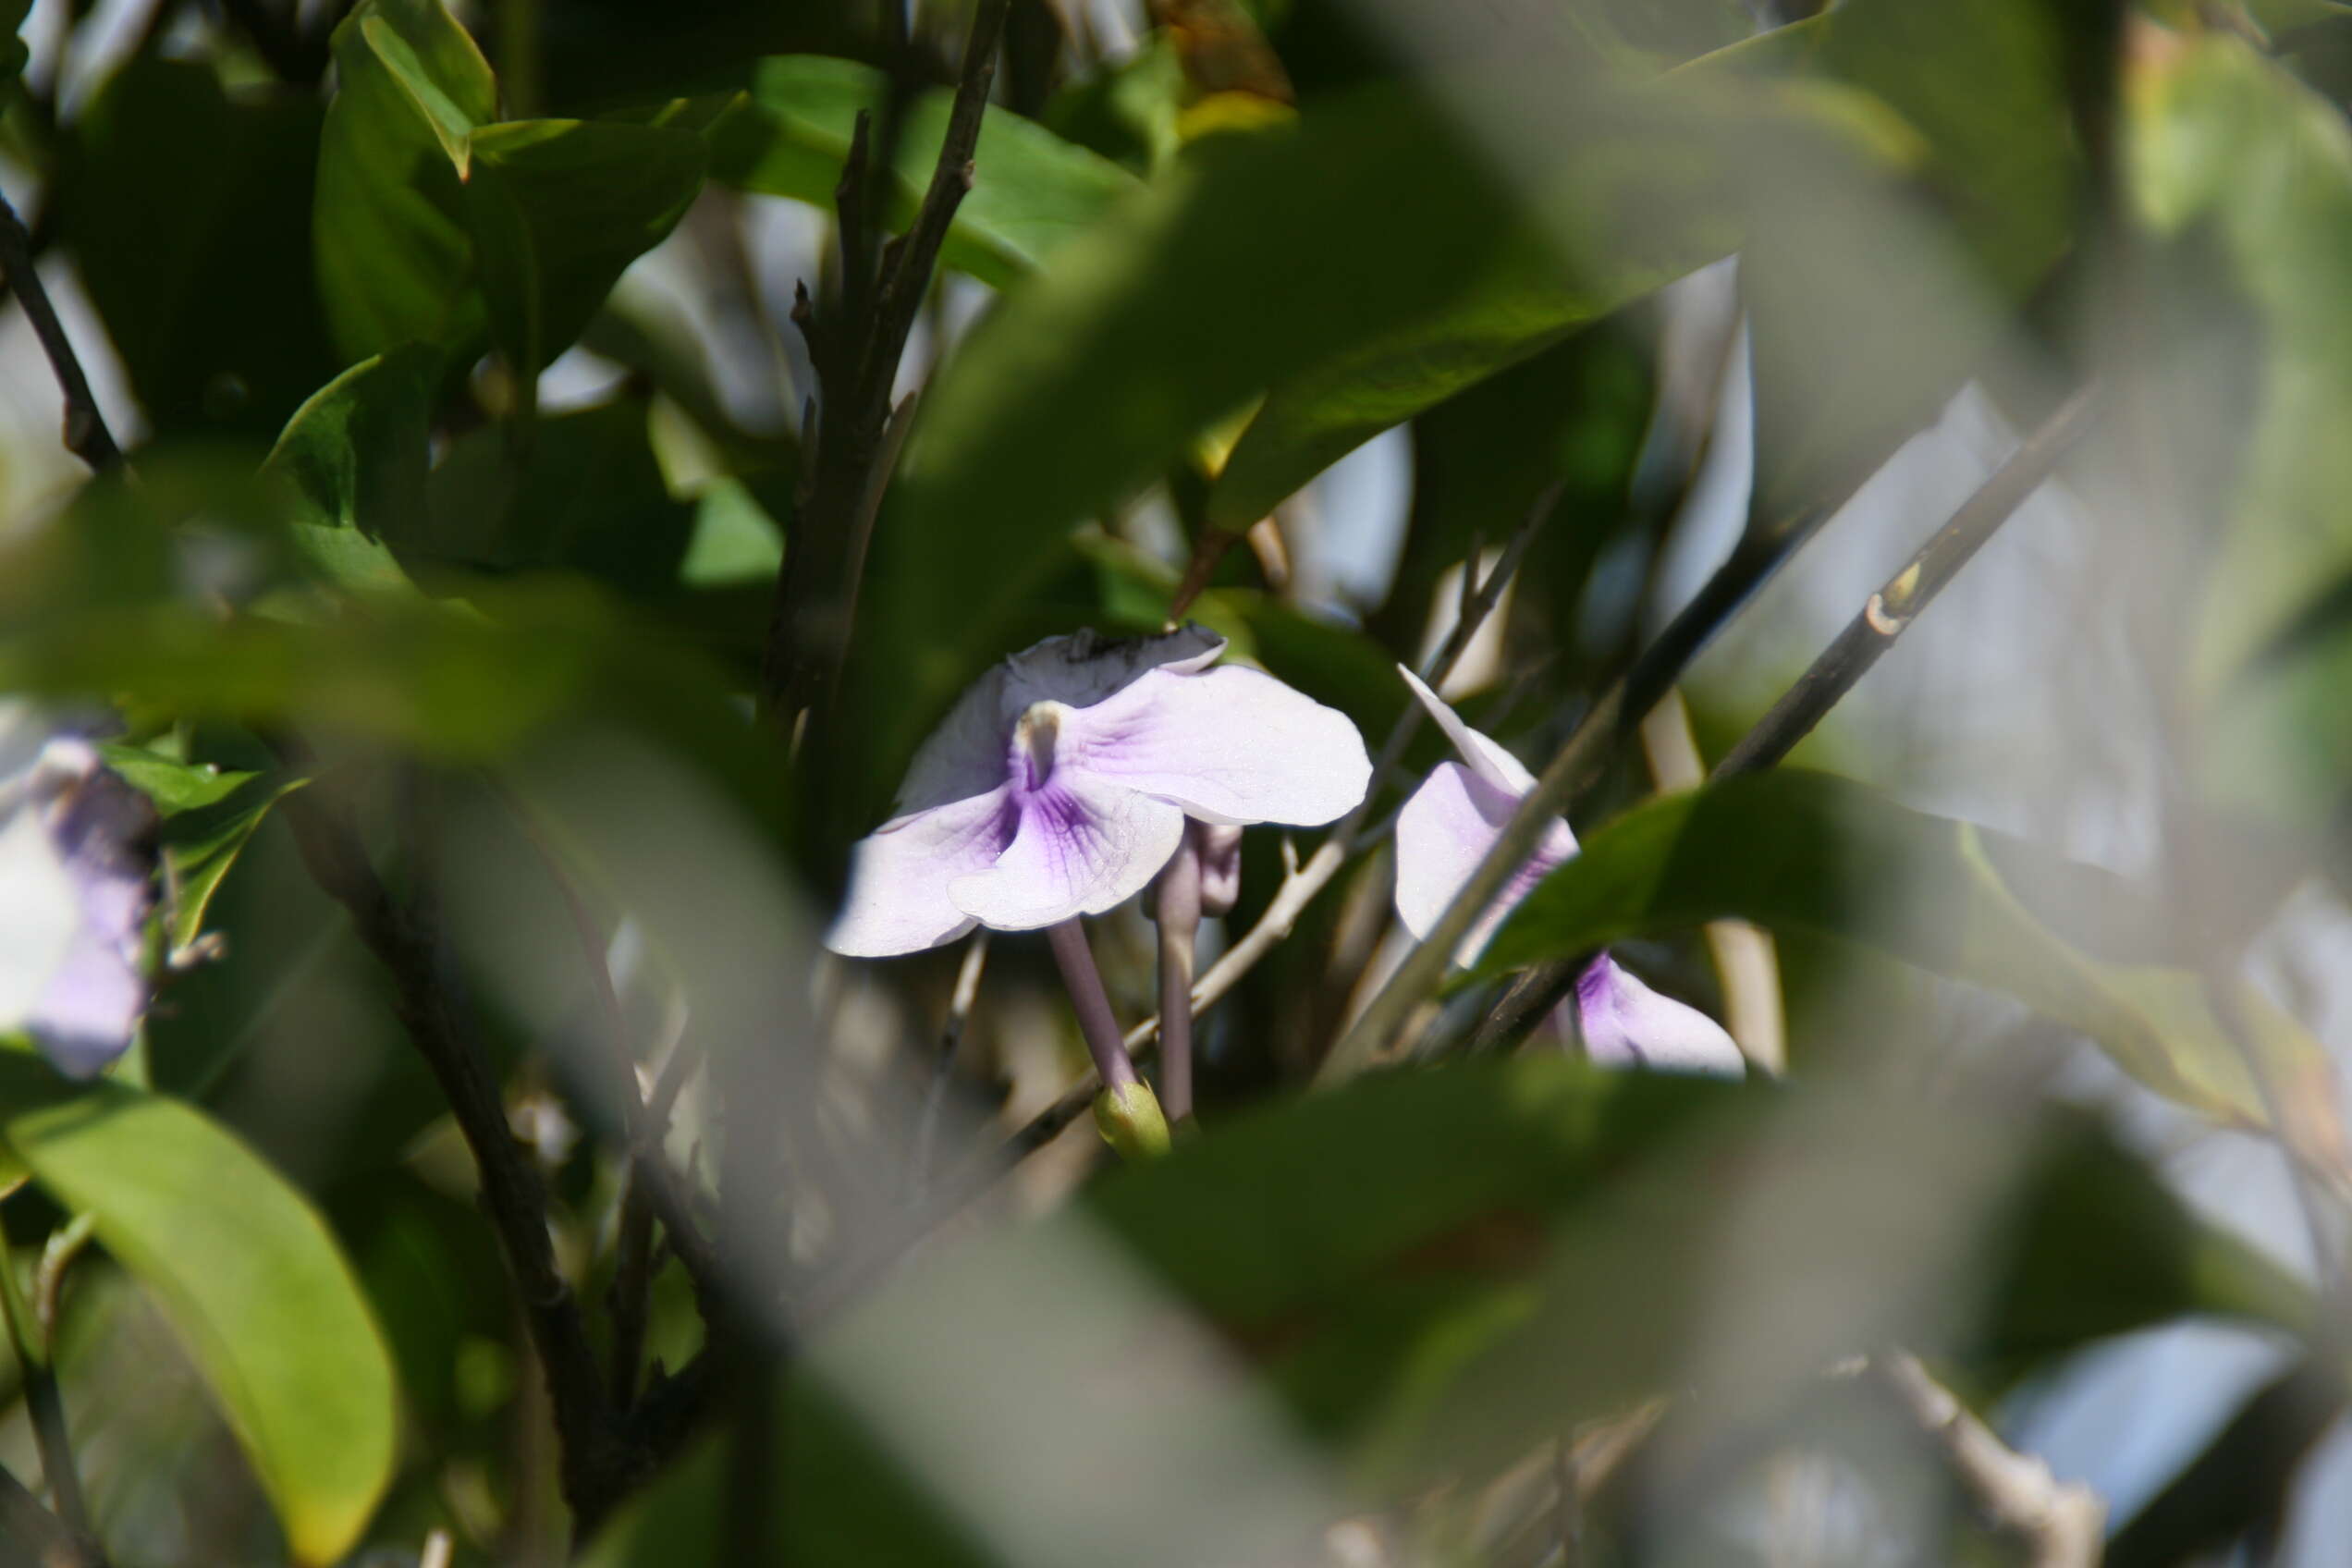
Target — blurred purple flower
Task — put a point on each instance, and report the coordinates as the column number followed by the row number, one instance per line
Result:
column 1446, row 829
column 1061, row 782
column 75, row 889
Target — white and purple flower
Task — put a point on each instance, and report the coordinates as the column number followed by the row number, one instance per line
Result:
column 1442, row 834
column 1061, row 782
column 75, row 889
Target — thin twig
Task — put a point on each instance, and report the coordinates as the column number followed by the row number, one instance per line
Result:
column 1301, row 883
column 2062, row 1524
column 86, row 435
column 1890, row 611
column 856, row 341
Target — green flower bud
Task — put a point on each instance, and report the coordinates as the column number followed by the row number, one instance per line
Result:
column 1130, row 1121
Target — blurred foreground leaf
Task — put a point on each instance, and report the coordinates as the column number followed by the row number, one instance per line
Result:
column 1030, row 190
column 246, row 1272
column 1424, row 1275
column 1806, row 851
column 2232, row 157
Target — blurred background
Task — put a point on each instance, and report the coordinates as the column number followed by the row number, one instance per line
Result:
column 1305, row 305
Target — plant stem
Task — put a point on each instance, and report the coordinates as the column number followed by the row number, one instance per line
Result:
column 857, row 340
column 2062, row 1524
column 1092, row 1003
column 42, row 1401
column 1890, row 612
column 86, row 435
column 1178, row 908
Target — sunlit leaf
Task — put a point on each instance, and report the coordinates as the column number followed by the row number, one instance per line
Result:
column 393, row 256
column 246, row 1272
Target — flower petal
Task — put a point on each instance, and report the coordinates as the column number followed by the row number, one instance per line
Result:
column 90, row 1010
column 1442, row 834
column 1624, row 1024
column 1485, row 755
column 1220, row 858
column 898, row 876
column 39, row 914
column 965, row 756
column 1229, row 745
column 1083, row 847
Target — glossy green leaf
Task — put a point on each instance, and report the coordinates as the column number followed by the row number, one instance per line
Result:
column 1809, row 853
column 248, row 1274
column 354, row 458
column 200, row 265
column 395, row 259
column 1030, row 190
column 558, row 210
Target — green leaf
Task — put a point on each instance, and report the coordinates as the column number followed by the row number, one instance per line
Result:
column 558, row 210
column 395, row 260
column 201, row 846
column 587, row 495
column 172, row 786
column 209, row 813
column 1524, row 302
column 1030, row 190
column 354, row 457
column 1805, row 852
column 199, row 266
column 247, row 1273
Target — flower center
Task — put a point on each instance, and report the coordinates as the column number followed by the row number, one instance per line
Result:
column 1033, row 743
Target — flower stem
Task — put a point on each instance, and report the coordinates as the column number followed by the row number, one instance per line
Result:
column 1178, row 912
column 1092, row 1003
